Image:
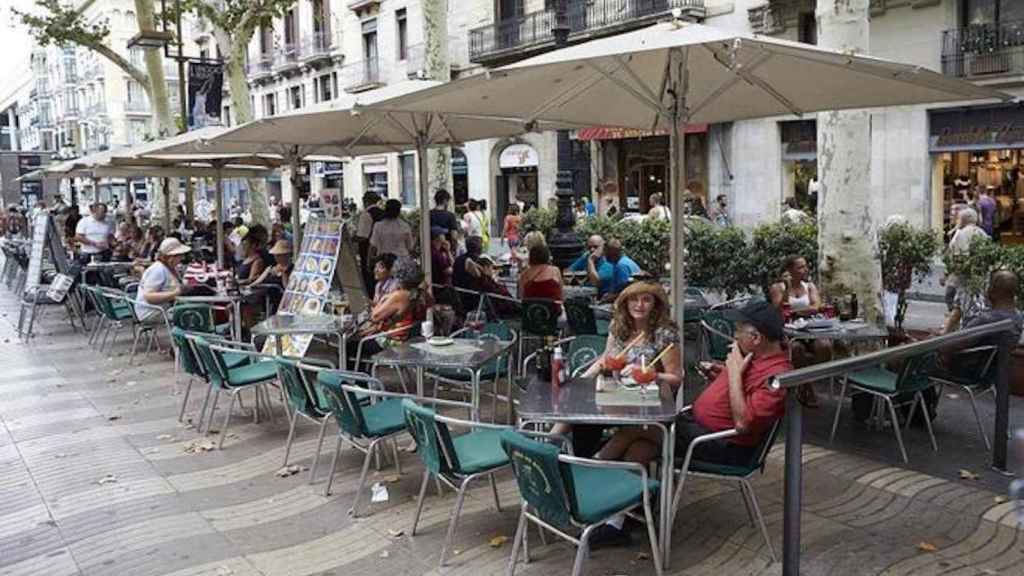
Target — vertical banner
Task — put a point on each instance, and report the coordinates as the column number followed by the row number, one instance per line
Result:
column 205, row 88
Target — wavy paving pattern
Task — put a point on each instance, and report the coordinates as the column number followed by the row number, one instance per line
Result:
column 96, row 480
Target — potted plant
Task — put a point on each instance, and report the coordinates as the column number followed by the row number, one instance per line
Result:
column 772, row 243
column 905, row 253
column 717, row 258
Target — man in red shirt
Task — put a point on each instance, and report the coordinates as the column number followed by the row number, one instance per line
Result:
column 739, row 397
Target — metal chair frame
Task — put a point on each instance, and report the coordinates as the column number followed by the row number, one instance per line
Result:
column 973, row 391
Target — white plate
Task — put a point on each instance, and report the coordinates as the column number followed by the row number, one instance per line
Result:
column 440, row 341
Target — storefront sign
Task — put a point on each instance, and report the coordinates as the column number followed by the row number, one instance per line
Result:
column 979, row 139
column 518, row 156
column 205, row 88
column 610, row 133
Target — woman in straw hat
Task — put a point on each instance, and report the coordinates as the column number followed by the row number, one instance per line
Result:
column 160, row 284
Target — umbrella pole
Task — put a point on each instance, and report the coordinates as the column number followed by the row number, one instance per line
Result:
column 293, row 161
column 219, row 199
column 425, row 261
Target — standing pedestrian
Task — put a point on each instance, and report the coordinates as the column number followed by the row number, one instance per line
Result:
column 987, row 209
column 391, row 235
column 720, row 213
column 440, row 216
column 95, row 234
column 658, row 210
column 510, row 228
column 966, row 231
column 371, row 214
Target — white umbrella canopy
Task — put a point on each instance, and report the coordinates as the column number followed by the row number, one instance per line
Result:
column 368, row 123
column 622, row 81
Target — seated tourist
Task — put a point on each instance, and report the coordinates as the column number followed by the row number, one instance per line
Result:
column 487, row 283
column 278, row 274
column 254, row 260
column 794, row 292
column 384, row 282
column 540, row 279
column 608, row 276
column 1002, row 305
column 401, row 308
column 465, row 272
column 160, row 284
column 740, row 396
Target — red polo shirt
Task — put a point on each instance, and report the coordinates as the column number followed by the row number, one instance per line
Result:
column 764, row 405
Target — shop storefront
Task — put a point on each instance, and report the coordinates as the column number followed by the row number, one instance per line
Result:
column 635, row 164
column 517, row 181
column 800, row 163
column 460, row 177
column 375, row 176
column 979, row 147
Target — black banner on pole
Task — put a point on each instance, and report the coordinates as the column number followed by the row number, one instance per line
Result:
column 205, row 88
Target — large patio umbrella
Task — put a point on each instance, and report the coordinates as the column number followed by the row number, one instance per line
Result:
column 357, row 125
column 674, row 73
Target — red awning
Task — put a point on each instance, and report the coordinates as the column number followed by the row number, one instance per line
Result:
column 610, row 133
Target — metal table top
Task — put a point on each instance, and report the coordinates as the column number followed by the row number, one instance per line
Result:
column 464, row 353
column 577, row 401
column 845, row 331
column 285, row 325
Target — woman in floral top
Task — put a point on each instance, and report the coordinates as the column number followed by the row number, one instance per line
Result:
column 641, row 314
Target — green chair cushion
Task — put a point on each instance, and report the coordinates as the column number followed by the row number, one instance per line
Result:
column 252, row 374
column 235, row 359
column 721, row 469
column 879, row 379
column 601, row 492
column 123, row 312
column 384, row 417
column 479, row 451
column 334, row 379
column 222, row 329
column 602, row 327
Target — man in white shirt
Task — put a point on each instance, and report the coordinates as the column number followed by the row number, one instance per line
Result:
column 966, row 231
column 95, row 234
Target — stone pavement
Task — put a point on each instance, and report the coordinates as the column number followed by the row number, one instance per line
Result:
column 95, row 480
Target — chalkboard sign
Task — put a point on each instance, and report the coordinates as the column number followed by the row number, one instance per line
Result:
column 44, row 238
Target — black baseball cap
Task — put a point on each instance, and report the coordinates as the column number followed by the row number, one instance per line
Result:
column 762, row 315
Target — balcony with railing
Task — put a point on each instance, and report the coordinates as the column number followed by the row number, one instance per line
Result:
column 317, row 45
column 136, row 106
column 260, row 66
column 286, row 57
column 984, row 50
column 96, row 108
column 515, row 38
column 362, row 76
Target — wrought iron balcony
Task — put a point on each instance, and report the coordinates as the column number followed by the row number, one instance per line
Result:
column 362, row 76
column 137, row 106
column 286, row 57
column 984, row 50
column 317, row 45
column 519, row 37
column 260, row 66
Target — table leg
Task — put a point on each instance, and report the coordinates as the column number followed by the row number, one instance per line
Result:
column 474, row 410
column 668, row 472
column 342, row 345
column 419, row 382
column 238, row 319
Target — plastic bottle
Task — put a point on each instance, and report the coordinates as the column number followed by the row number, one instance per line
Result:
column 557, row 364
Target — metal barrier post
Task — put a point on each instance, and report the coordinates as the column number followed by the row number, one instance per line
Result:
column 1002, row 423
column 794, row 485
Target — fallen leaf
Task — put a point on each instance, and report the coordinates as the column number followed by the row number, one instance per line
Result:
column 130, row 383
column 165, row 437
column 198, row 446
column 390, row 479
column 952, row 396
column 927, row 547
column 395, row 533
column 967, row 475
column 114, row 417
column 108, row 479
column 60, row 455
column 289, row 470
column 643, row 556
column 385, row 554
column 150, row 450
column 999, row 499
column 224, row 571
column 497, row 541
column 456, row 552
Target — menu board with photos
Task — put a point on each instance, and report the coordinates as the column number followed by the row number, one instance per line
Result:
column 310, row 281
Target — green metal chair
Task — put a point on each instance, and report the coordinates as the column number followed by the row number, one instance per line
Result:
column 489, row 372
column 581, row 318
column 188, row 361
column 454, row 460
column 975, row 374
column 260, row 371
column 365, row 427
column 147, row 324
column 304, row 402
column 561, row 492
column 197, row 318
column 539, row 320
column 581, row 352
column 740, row 474
column 888, row 386
column 718, row 330
column 115, row 314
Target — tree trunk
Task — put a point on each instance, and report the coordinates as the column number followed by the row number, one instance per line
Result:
column 846, row 224
column 436, row 62
column 234, row 71
column 156, row 91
